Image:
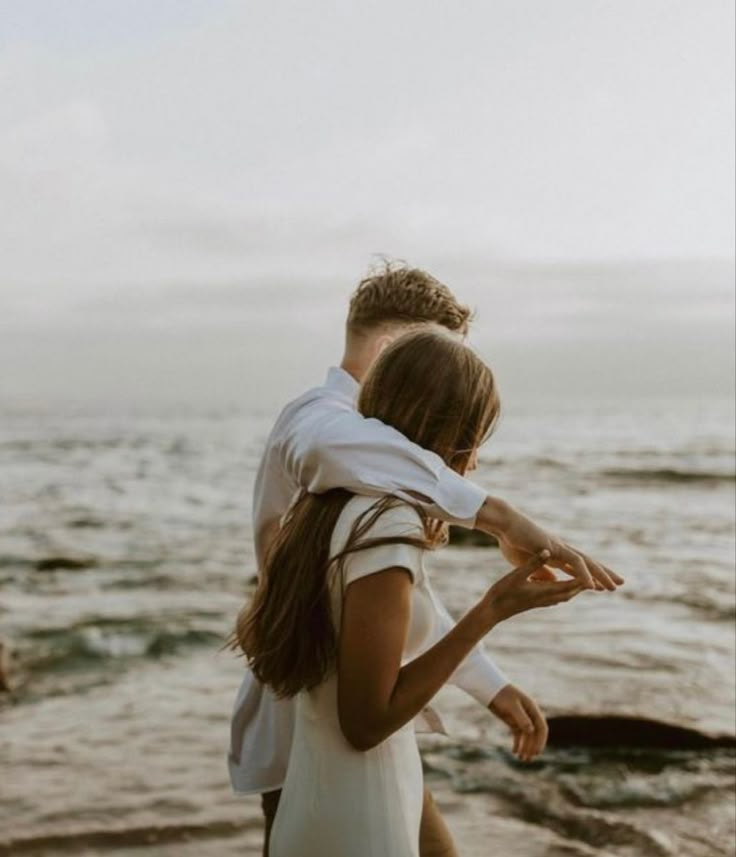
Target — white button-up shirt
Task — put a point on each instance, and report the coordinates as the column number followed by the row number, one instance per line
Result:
column 320, row 442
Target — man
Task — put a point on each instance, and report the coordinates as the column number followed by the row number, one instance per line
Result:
column 320, row 442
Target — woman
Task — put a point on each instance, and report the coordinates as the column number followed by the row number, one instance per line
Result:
column 342, row 618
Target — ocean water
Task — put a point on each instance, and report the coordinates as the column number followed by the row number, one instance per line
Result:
column 125, row 553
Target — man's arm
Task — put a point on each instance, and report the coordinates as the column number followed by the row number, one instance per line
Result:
column 327, row 445
column 477, row 675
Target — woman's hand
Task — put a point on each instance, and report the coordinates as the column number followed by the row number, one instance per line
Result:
column 518, row 591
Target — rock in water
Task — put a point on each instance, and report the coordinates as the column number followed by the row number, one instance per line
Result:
column 582, row 731
column 4, row 666
column 69, row 563
column 460, row 537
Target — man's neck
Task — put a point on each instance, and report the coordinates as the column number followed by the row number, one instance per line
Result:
column 355, row 368
column 360, row 353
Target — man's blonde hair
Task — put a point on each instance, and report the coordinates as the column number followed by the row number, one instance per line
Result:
column 398, row 294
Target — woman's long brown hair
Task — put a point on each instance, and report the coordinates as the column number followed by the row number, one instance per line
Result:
column 439, row 394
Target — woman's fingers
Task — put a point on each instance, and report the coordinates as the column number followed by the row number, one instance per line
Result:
column 571, row 591
column 535, row 562
column 556, row 593
column 544, row 573
column 519, row 591
column 517, row 577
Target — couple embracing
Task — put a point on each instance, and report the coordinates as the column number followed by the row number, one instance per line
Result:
column 346, row 640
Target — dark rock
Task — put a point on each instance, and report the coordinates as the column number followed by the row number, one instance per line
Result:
column 460, row 537
column 612, row 731
column 4, row 667
column 86, row 523
column 53, row 563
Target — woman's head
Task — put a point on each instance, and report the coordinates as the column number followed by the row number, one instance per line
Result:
column 436, row 391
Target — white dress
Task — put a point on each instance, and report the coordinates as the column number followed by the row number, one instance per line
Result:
column 338, row 801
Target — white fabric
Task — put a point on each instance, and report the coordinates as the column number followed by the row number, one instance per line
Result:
column 402, row 521
column 338, row 801
column 320, row 442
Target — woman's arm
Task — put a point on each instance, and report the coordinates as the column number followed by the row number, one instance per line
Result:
column 376, row 695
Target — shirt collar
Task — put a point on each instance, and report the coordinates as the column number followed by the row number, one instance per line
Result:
column 342, row 382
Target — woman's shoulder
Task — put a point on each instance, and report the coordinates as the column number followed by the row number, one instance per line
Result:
column 380, row 518
column 391, row 513
column 393, row 517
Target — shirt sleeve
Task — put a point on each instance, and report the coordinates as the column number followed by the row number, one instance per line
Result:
column 477, row 675
column 398, row 521
column 326, row 445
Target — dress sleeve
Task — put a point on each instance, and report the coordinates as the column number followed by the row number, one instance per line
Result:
column 397, row 521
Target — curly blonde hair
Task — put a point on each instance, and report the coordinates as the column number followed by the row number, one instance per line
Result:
column 398, row 294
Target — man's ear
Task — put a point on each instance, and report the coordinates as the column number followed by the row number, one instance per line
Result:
column 384, row 341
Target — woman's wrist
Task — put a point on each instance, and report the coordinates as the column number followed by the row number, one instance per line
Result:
column 486, row 615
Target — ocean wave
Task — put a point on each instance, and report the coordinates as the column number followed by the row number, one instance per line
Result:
column 584, row 793
column 716, row 606
column 543, row 804
column 78, row 648
column 15, row 561
column 632, row 789
column 68, row 444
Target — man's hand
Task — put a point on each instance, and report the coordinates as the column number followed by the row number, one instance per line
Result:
column 523, row 716
column 520, row 538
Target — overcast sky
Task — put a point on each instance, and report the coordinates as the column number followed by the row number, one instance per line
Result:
column 179, row 166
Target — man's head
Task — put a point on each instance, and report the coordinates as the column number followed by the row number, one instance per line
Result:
column 392, row 301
